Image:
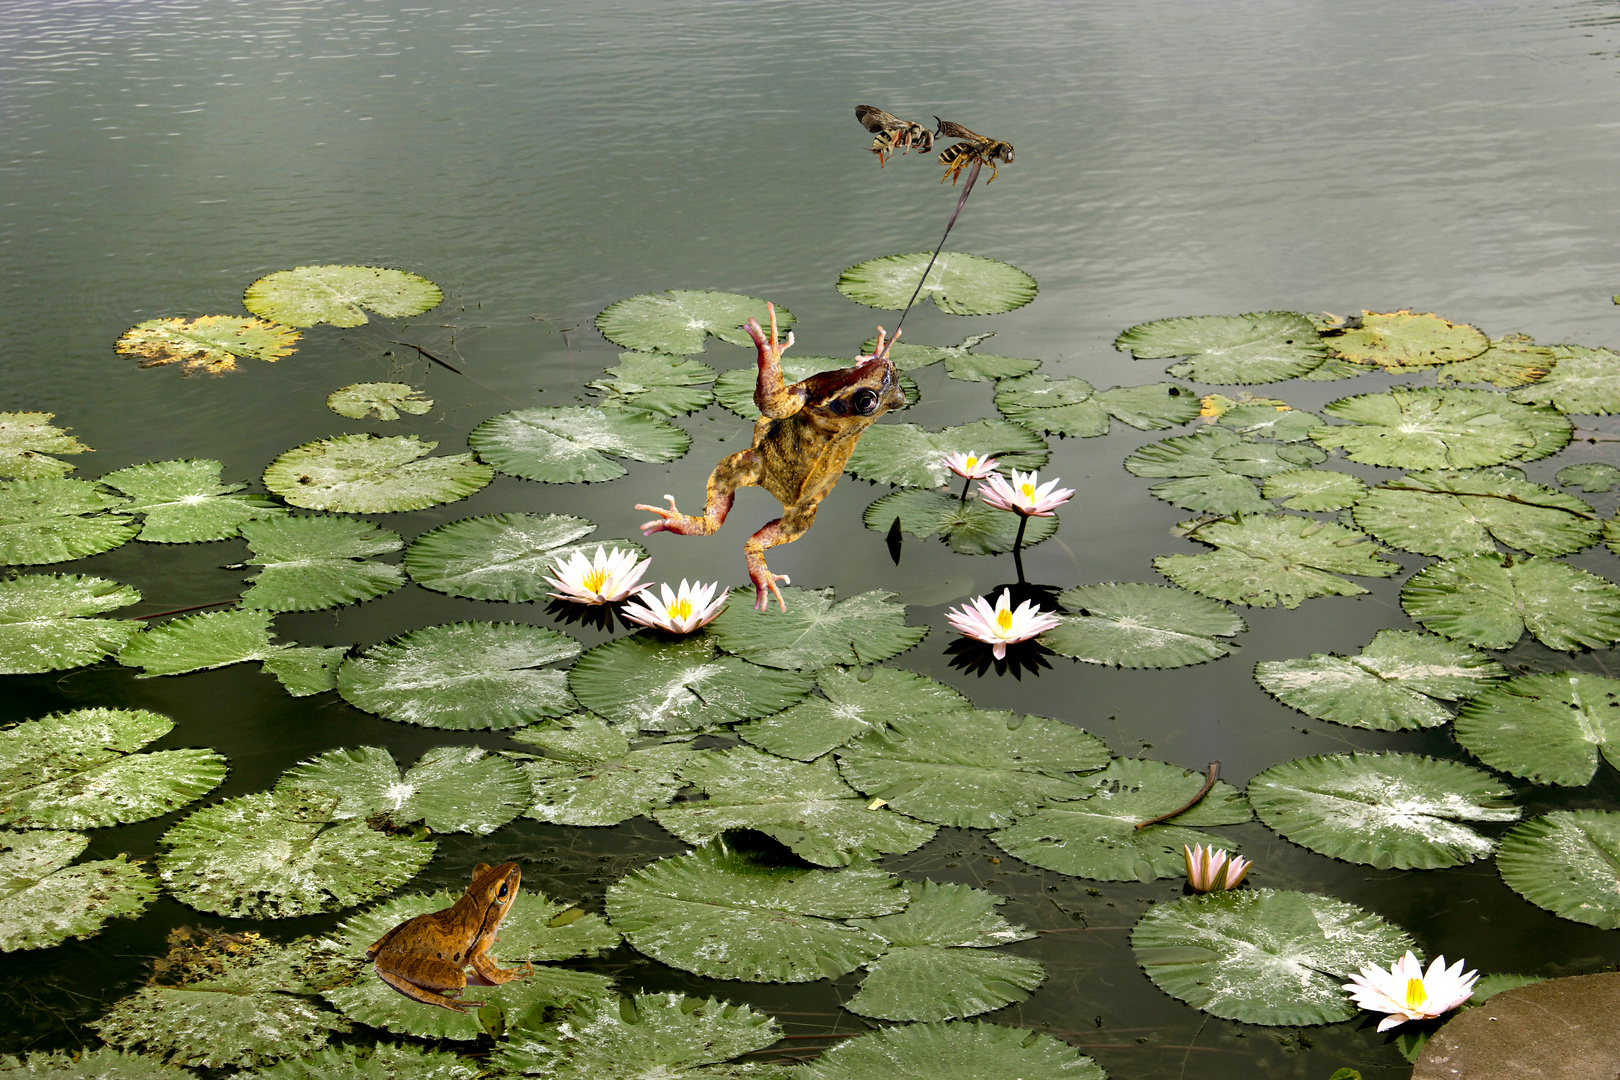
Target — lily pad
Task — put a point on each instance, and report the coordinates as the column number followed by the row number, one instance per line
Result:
column 1201, row 479
column 1549, row 728
column 466, row 675
column 659, row 684
column 815, row 632
column 501, row 556
column 591, row 775
column 960, row 363
column 43, row 625
column 960, row 1050
column 1395, row 684
column 526, row 934
column 56, row 520
column 44, row 901
column 184, row 501
column 1491, row 600
column 340, row 295
column 384, row 1061
column 450, row 789
column 1058, row 407
column 970, row 528
column 283, row 853
column 1152, row 406
column 805, row 806
column 1281, row 559
column 1314, row 490
column 220, row 638
column 1582, row 381
column 734, row 389
column 383, row 400
column 723, row 915
column 959, row 284
column 1401, row 810
column 210, row 343
column 81, row 770
column 1590, row 476
column 103, row 1064
column 1435, row 428
column 1260, row 347
column 679, row 321
column 27, row 441
column 1136, row 625
column 656, row 383
column 668, row 1036
column 854, row 700
column 312, row 562
column 908, row 456
column 570, row 446
column 937, row 966
column 1269, row 419
column 373, row 474
column 1399, row 340
column 1100, row 834
column 1568, row 862
column 1458, row 513
column 975, row 770
column 1264, row 956
column 1514, row 360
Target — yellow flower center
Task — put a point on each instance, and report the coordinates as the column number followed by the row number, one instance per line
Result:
column 1029, row 492
column 681, row 609
column 1004, row 620
column 1415, row 994
column 594, row 580
column 972, row 463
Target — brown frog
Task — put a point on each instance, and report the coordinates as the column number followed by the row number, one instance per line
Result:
column 802, row 440
column 425, row 958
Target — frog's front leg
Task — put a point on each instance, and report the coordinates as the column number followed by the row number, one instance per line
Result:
column 739, row 470
column 484, row 965
column 789, row 527
column 772, row 396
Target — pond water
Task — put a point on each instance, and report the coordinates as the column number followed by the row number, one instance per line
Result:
column 541, row 162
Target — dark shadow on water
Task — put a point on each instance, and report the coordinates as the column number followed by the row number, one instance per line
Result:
column 596, row 616
column 978, row 658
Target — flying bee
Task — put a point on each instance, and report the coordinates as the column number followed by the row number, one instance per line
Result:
column 976, row 148
column 892, row 133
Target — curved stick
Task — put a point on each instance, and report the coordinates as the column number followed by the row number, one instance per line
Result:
column 1209, row 782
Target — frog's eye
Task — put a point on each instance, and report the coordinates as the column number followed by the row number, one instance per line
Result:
column 502, row 894
column 865, row 402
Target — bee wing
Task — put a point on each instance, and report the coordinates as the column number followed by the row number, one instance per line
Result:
column 956, row 131
column 876, row 120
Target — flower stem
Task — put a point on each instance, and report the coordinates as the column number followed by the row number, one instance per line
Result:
column 1018, row 542
column 965, row 484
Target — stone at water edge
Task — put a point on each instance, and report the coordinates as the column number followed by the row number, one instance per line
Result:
column 1561, row 1029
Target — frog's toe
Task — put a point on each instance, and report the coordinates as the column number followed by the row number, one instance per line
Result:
column 768, row 582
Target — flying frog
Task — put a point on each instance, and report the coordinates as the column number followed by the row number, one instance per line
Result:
column 425, row 958
column 802, row 440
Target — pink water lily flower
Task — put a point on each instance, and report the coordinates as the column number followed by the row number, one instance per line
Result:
column 971, row 465
column 607, row 579
column 1025, row 495
column 1000, row 626
column 1209, row 869
column 1407, row 992
column 691, row 608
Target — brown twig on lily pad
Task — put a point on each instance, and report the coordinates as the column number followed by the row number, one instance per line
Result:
column 1209, row 782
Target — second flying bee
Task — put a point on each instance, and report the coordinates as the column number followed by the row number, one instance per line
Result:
column 890, row 133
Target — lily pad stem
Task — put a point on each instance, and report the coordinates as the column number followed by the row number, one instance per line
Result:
column 183, row 610
column 1209, row 782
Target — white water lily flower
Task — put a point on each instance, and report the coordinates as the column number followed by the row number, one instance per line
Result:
column 691, row 608
column 1209, row 869
column 1026, row 494
column 971, row 465
column 1000, row 626
column 1407, row 992
column 607, row 579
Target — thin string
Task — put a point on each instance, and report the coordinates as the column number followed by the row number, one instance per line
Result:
column 973, row 176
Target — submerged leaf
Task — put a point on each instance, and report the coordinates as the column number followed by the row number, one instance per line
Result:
column 971, row 527
column 383, row 400
column 679, row 321
column 570, row 446
column 1151, row 407
column 1434, row 428
column 1399, row 340
column 591, row 776
column 314, row 561
column 1280, row 559
column 185, row 502
column 1268, row 418
column 450, row 789
column 815, row 632
column 1548, row 728
column 908, row 456
column 373, row 474
column 44, row 901
column 1097, row 836
column 959, row 284
column 56, row 520
column 1582, row 381
column 1590, row 476
column 723, row 915
column 960, row 363
column 960, row 1050
column 1459, row 513
column 1391, row 685
column 660, row 684
column 1260, row 347
column 209, row 343
column 1136, row 625
column 1058, row 407
column 27, row 439
column 656, row 383
column 854, row 701
column 306, row 295
column 467, row 675
column 42, row 624
column 1400, row 810
column 283, row 853
column 1491, row 600
column 1567, row 862
column 1314, row 490
column 501, row 556
column 80, row 770
column 1263, row 956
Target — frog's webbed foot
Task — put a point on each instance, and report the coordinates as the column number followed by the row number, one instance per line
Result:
column 784, row 530
column 671, row 520
column 764, row 580
column 484, row 967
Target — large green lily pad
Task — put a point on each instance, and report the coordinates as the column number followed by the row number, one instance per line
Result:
column 1260, row 347
column 1435, row 428
column 1568, row 862
column 815, row 632
column 1279, row 559
column 590, row 775
column 373, row 474
column 340, row 295
column 959, row 284
column 1137, row 625
column 1066, row 407
column 1314, row 490
column 1461, row 513
column 43, row 624
column 659, row 684
column 570, row 446
column 310, row 562
column 216, row 639
column 210, row 343
column 27, row 441
column 1491, row 600
column 1511, row 361
column 103, row 1064
column 382, row 400
column 656, row 383
column 680, row 321
column 44, row 901
column 1582, row 381
column 908, row 456
column 1548, row 728
column 960, row 1050
column 853, row 700
column 1398, row 340
column 450, row 789
column 184, row 502
column 501, row 556
column 56, row 519
column 384, row 1061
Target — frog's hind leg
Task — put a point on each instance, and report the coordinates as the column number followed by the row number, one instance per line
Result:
column 784, row 530
column 428, row 975
column 739, row 470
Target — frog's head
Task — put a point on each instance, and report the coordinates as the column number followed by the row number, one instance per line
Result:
column 494, row 889
column 858, row 394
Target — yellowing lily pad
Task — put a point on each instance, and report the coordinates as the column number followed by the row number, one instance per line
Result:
column 211, row 343
column 1404, row 339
